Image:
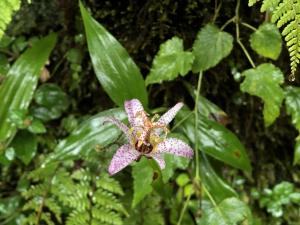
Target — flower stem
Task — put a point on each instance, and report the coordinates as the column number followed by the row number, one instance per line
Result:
column 197, row 177
column 183, row 209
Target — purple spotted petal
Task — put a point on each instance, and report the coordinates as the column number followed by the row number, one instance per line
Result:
column 132, row 107
column 119, row 124
column 176, row 147
column 169, row 116
column 159, row 159
column 122, row 158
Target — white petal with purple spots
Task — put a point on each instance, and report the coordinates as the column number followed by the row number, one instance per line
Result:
column 132, row 108
column 170, row 114
column 159, row 159
column 122, row 158
column 176, row 147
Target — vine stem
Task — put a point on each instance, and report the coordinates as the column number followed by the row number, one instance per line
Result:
column 228, row 22
column 183, row 209
column 197, row 177
column 248, row 26
column 237, row 32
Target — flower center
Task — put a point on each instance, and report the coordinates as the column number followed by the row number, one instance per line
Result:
column 144, row 148
column 148, row 135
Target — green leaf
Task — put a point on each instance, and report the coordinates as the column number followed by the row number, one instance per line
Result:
column 142, row 174
column 297, row 152
column 215, row 140
column 4, row 66
column 210, row 47
column 230, row 211
column 37, row 127
column 52, row 101
column 171, row 164
column 118, row 74
column 8, row 155
column 170, row 61
column 214, row 184
column 266, row 41
column 292, row 104
column 264, row 81
column 17, row 89
column 25, row 146
column 90, row 134
column 182, row 179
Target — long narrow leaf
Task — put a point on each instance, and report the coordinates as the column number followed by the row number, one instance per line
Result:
column 118, row 74
column 18, row 87
column 91, row 133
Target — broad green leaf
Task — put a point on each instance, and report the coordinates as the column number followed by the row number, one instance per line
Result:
column 207, row 108
column 264, row 82
column 170, row 61
column 182, row 179
column 210, row 47
column 297, row 152
column 230, row 211
column 16, row 91
column 25, row 145
column 118, row 74
column 90, row 134
column 266, row 41
column 292, row 104
column 215, row 140
column 173, row 163
column 142, row 174
column 37, row 127
column 7, row 155
column 4, row 66
column 214, row 184
column 52, row 102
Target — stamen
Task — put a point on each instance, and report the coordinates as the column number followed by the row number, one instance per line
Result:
column 156, row 116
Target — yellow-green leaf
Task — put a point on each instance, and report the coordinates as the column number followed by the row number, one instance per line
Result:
column 170, row 61
column 210, row 47
column 266, row 41
column 264, row 82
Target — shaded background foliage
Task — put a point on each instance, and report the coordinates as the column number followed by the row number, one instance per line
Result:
column 141, row 26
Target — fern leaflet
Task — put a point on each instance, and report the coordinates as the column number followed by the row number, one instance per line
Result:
column 286, row 13
column 7, row 7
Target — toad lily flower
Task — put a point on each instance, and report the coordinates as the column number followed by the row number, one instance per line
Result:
column 146, row 137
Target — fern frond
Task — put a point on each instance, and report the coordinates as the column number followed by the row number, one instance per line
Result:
column 252, row 2
column 106, row 216
column 7, row 8
column 76, row 218
column 86, row 198
column 269, row 5
column 107, row 183
column 108, row 200
column 52, row 205
column 35, row 190
column 286, row 13
column 47, row 218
